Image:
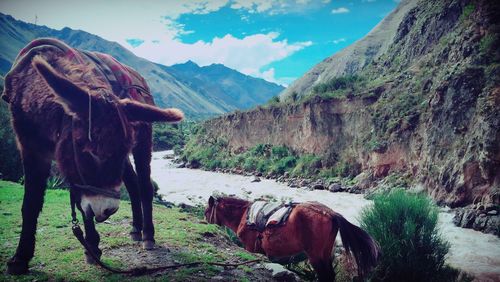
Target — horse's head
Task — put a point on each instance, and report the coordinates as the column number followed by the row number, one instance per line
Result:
column 211, row 211
column 226, row 211
column 93, row 152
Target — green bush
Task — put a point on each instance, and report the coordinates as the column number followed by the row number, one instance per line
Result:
column 284, row 164
column 307, row 165
column 405, row 227
column 338, row 83
column 11, row 167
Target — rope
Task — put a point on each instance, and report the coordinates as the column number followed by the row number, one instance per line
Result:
column 78, row 232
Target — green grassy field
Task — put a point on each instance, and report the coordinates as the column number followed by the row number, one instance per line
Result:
column 181, row 237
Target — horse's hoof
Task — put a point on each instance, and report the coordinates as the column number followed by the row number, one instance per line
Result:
column 136, row 236
column 16, row 267
column 148, row 245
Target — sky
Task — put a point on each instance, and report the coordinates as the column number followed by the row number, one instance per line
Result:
column 275, row 40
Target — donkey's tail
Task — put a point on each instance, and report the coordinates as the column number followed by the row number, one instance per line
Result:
column 359, row 244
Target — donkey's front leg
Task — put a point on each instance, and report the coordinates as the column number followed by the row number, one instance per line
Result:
column 36, row 172
column 142, row 158
column 92, row 238
column 130, row 180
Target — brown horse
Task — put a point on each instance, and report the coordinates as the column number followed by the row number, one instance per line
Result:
column 64, row 107
column 311, row 229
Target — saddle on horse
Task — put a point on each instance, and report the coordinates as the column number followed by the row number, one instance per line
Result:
column 264, row 214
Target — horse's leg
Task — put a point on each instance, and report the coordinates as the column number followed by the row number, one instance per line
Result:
column 130, row 180
column 92, row 238
column 36, row 172
column 323, row 268
column 142, row 158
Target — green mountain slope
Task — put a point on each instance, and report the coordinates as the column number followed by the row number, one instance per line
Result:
column 225, row 86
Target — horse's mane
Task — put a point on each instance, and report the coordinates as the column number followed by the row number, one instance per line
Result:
column 232, row 201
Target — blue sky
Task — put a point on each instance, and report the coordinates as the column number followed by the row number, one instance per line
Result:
column 275, row 40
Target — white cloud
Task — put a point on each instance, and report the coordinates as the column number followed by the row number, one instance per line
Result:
column 155, row 23
column 340, row 10
column 249, row 55
column 337, row 41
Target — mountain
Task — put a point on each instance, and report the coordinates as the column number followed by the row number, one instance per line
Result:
column 415, row 103
column 353, row 58
column 224, row 86
column 194, row 97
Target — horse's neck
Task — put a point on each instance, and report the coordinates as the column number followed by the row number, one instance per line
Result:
column 233, row 217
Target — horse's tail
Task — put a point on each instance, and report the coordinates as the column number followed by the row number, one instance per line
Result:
column 359, row 244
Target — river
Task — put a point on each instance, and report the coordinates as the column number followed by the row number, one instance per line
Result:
column 471, row 251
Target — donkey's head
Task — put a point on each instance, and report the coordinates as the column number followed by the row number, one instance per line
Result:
column 92, row 154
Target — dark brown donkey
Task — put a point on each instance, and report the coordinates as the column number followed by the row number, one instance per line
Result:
column 67, row 107
column 311, row 228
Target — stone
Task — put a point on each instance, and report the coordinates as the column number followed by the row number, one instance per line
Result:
column 480, row 223
column 493, row 212
column 457, row 218
column 335, row 187
column 286, row 174
column 280, row 273
column 468, row 219
column 256, row 179
column 318, row 186
column 304, row 182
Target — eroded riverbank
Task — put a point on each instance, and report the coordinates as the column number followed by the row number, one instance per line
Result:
column 471, row 251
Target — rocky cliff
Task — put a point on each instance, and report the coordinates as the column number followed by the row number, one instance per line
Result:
column 426, row 105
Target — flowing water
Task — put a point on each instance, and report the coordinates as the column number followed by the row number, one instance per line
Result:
column 471, row 251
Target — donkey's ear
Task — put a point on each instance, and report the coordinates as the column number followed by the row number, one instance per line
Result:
column 73, row 99
column 211, row 201
column 136, row 111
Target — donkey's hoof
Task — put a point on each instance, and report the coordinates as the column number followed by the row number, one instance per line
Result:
column 89, row 259
column 16, row 267
column 136, row 236
column 148, row 245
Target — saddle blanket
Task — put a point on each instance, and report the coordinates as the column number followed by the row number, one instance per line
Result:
column 125, row 82
column 264, row 214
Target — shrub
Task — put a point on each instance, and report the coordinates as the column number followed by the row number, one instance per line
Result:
column 405, row 227
column 307, row 165
column 279, row 152
column 11, row 167
column 284, row 164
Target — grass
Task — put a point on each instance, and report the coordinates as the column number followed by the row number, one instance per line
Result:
column 59, row 256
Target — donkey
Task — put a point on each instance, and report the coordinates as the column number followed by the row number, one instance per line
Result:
column 64, row 108
column 311, row 228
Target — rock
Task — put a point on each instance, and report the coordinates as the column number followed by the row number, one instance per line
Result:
column 364, row 180
column 256, row 179
column 457, row 219
column 258, row 174
column 318, row 186
column 280, row 273
column 181, row 165
column 492, row 212
column 335, row 187
column 468, row 219
column 304, row 182
column 480, row 223
column 355, row 189
column 493, row 225
column 286, row 174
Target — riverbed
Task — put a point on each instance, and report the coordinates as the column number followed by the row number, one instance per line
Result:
column 472, row 251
